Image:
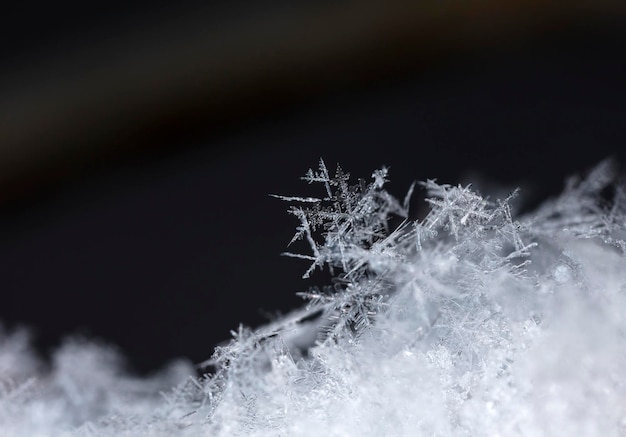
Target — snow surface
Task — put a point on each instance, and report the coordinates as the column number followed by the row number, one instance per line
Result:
column 469, row 322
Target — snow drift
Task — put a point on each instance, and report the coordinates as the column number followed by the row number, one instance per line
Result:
column 468, row 322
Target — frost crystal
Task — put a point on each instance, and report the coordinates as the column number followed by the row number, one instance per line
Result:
column 466, row 322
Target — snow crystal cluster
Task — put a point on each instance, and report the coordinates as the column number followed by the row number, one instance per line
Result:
column 468, row 322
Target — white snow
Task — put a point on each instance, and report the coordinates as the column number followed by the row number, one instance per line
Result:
column 468, row 323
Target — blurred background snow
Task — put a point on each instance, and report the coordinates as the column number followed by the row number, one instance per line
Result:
column 139, row 141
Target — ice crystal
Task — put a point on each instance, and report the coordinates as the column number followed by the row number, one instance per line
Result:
column 348, row 230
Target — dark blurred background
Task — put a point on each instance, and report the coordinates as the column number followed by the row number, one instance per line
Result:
column 139, row 141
